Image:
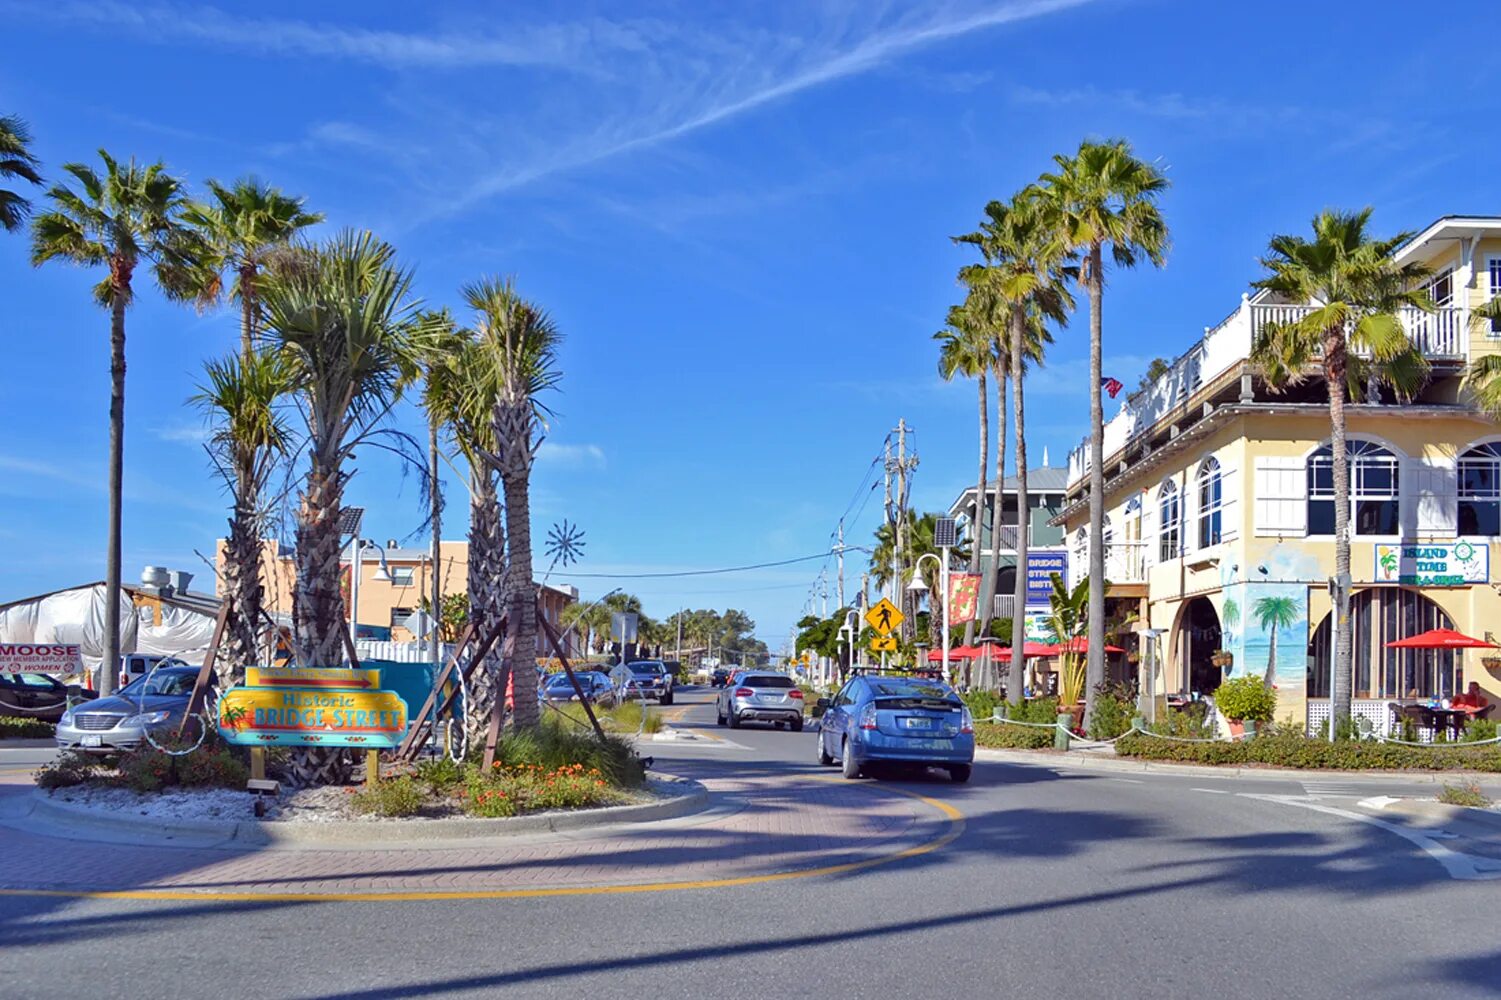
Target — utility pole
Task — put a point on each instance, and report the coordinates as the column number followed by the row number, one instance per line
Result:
column 841, row 562
column 890, row 514
column 901, row 468
column 677, row 653
column 436, row 583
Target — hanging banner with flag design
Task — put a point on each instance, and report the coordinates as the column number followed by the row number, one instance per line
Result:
column 964, row 595
column 1112, row 386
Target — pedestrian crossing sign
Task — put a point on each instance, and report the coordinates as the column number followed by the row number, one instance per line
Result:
column 883, row 644
column 885, row 617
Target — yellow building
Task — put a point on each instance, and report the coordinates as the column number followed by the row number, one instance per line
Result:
column 1220, row 508
column 393, row 582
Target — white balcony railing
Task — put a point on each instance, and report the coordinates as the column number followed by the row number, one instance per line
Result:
column 1009, row 535
column 1439, row 335
column 1126, row 562
column 1005, row 606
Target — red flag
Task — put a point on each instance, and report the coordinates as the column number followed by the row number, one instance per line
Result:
column 1112, row 386
column 964, row 589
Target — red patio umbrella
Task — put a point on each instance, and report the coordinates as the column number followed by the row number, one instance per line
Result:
column 957, row 653
column 1441, row 638
column 1079, row 645
column 1029, row 650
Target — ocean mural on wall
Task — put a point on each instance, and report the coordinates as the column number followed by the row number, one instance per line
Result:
column 1264, row 615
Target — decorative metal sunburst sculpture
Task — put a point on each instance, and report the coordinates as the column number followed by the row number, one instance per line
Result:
column 565, row 544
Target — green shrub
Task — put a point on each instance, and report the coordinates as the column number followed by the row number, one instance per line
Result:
column 392, row 797
column 440, row 775
column 211, row 767
column 1283, row 747
column 1246, row 699
column 556, row 744
column 982, row 703
column 623, row 718
column 1464, row 795
column 1007, row 736
column 146, row 770
column 14, row 727
column 1478, row 730
column 810, row 700
column 1189, row 722
column 511, row 791
column 1114, row 708
column 66, row 770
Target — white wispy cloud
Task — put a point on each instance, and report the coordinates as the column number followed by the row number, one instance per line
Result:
column 1169, row 106
column 572, row 456
column 193, row 434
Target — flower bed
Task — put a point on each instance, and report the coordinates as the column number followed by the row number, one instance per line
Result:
column 1285, row 749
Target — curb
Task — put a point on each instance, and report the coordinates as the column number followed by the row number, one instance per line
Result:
column 684, row 798
column 1444, row 813
column 1084, row 760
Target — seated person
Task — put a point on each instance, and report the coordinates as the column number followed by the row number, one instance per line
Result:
column 1472, row 700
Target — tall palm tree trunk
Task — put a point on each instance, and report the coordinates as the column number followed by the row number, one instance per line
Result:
column 111, row 665
column 980, row 484
column 486, row 545
column 989, row 581
column 1094, row 670
column 1014, row 675
column 242, row 578
column 247, row 310
column 1334, row 375
column 318, row 605
column 521, row 592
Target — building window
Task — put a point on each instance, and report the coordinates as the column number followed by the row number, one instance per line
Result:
column 1374, row 482
column 1169, row 521
column 1480, row 490
column 1211, row 501
column 1493, row 270
column 399, row 616
column 401, row 576
column 1441, row 289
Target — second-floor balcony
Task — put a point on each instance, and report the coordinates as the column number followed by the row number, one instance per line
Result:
column 1439, row 335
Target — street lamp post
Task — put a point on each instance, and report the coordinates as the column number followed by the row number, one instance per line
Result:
column 918, row 585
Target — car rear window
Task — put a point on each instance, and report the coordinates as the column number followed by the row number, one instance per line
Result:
column 902, row 688
column 916, row 702
column 767, row 681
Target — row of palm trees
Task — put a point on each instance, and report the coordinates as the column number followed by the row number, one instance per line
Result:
column 1035, row 249
column 330, row 330
column 1054, row 235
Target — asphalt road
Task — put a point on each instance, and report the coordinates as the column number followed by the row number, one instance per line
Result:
column 1069, row 882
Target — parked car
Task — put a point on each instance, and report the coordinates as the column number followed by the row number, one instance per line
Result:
column 648, row 679
column 719, row 677
column 119, row 722
column 37, row 696
column 757, row 696
column 900, row 720
column 557, row 687
column 134, row 666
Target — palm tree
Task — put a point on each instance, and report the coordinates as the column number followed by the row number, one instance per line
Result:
column 966, row 349
column 246, row 224
column 1355, row 289
column 242, row 394
column 1026, row 270
column 1103, row 195
column 455, row 395
column 16, row 161
column 119, row 219
column 519, row 343
column 1068, row 620
column 1272, row 613
column 343, row 316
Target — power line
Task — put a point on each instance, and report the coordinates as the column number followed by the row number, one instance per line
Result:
column 696, row 572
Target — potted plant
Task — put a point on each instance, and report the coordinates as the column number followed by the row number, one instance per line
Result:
column 1245, row 699
column 1222, row 658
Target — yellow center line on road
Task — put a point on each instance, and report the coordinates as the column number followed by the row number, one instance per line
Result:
column 954, row 827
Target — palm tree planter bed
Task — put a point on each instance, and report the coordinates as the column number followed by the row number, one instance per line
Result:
column 1305, row 753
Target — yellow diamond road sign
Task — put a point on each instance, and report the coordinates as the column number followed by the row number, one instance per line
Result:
column 885, row 617
column 883, row 644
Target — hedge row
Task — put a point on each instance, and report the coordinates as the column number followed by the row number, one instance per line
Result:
column 1006, row 736
column 18, row 728
column 1289, row 750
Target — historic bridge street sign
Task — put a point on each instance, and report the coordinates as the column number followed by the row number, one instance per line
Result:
column 312, row 706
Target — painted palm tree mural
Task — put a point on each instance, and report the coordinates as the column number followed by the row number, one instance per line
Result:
column 1271, row 614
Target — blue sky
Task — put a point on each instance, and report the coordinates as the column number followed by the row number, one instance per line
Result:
column 738, row 214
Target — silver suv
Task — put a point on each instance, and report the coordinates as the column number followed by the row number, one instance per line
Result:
column 761, row 697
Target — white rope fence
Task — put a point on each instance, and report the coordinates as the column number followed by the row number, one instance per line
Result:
column 1073, row 737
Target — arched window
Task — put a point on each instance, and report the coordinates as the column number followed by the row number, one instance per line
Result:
column 1169, row 521
column 1211, row 502
column 1480, row 490
column 1378, row 617
column 1374, row 483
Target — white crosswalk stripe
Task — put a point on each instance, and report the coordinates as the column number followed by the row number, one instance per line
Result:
column 1334, row 789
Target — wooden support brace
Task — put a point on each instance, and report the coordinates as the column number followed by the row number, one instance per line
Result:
column 200, row 683
column 578, row 689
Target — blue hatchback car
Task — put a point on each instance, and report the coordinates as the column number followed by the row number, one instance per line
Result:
column 899, row 720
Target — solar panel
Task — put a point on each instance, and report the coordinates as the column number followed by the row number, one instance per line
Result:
column 944, row 534
column 349, row 520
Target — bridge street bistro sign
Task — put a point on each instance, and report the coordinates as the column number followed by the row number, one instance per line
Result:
column 41, row 658
column 312, row 706
column 1449, row 564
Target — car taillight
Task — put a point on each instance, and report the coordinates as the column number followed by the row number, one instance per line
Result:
column 868, row 716
column 795, row 693
column 966, row 721
column 743, row 692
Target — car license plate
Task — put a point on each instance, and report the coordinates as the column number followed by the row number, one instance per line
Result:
column 918, row 723
column 93, row 741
